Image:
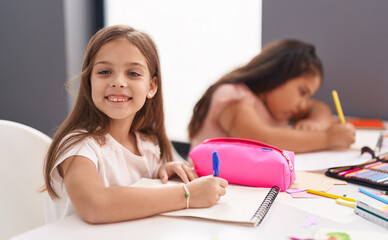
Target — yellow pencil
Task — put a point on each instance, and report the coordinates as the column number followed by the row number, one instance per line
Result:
column 329, row 195
column 338, row 106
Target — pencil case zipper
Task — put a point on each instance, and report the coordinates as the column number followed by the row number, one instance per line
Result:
column 254, row 143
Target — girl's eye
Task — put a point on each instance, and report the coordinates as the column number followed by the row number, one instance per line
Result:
column 302, row 92
column 133, row 74
column 103, row 72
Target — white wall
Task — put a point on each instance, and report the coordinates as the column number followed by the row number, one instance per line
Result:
column 353, row 49
column 198, row 42
column 78, row 24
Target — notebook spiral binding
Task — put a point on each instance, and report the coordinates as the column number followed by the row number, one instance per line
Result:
column 266, row 204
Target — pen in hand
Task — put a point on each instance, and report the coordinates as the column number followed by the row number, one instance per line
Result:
column 216, row 164
column 379, row 143
column 338, row 106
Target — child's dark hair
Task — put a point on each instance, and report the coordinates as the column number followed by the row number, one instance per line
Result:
column 277, row 63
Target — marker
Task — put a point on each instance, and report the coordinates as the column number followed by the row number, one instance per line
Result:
column 216, row 164
column 356, row 172
column 379, row 144
column 338, row 106
column 366, row 173
column 329, row 195
column 345, row 203
column 372, row 164
column 382, row 199
column 348, row 171
column 382, row 180
column 381, row 166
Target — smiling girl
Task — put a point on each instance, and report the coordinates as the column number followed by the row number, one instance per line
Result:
column 115, row 136
column 260, row 100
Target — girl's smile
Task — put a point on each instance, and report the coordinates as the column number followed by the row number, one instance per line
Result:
column 118, row 99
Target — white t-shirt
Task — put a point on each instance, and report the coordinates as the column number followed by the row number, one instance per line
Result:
column 116, row 166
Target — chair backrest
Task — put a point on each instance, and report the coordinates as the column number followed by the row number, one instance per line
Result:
column 22, row 152
column 182, row 148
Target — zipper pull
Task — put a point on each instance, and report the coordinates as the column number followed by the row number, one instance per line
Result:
column 288, row 160
column 266, row 149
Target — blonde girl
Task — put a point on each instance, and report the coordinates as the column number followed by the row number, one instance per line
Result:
column 115, row 135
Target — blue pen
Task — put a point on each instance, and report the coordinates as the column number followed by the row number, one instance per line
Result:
column 216, row 164
column 384, row 200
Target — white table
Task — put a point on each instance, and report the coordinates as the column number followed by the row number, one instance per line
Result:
column 282, row 221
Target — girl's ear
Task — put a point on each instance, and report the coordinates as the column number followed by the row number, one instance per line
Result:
column 153, row 88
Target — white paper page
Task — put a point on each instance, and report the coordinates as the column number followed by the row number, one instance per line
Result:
column 366, row 138
column 337, row 158
column 238, row 205
column 328, row 159
column 319, row 207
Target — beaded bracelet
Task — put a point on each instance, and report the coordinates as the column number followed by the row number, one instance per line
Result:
column 187, row 195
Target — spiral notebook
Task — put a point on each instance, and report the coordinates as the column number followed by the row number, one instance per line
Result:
column 241, row 205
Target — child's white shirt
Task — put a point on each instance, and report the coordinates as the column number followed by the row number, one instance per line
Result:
column 116, row 166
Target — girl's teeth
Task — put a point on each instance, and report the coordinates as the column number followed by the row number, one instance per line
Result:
column 113, row 99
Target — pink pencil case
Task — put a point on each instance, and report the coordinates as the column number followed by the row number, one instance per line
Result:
column 246, row 162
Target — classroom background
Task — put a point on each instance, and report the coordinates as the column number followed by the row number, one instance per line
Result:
column 43, row 41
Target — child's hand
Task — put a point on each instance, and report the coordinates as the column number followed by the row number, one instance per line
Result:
column 308, row 124
column 206, row 191
column 181, row 169
column 341, row 135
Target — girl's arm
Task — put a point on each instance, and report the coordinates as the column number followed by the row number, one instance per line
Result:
column 241, row 120
column 96, row 203
column 316, row 116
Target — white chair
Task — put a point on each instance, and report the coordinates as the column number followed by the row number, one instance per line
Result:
column 22, row 152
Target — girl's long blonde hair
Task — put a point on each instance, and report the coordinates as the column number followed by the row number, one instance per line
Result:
column 86, row 116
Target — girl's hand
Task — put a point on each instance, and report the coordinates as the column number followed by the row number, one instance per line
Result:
column 341, row 135
column 308, row 124
column 206, row 191
column 181, row 169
